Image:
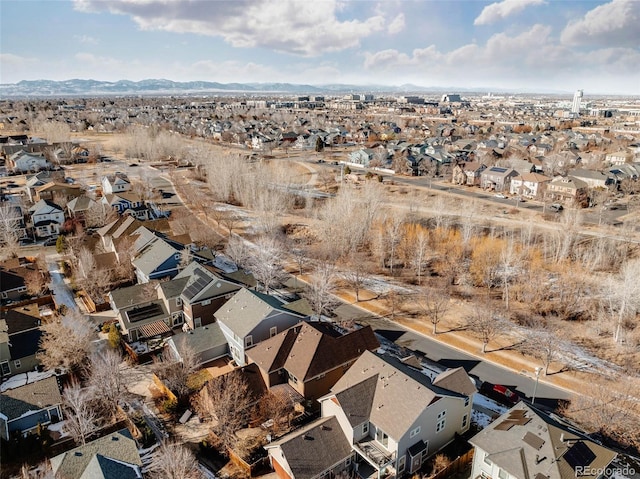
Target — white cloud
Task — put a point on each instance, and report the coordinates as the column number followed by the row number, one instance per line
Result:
column 86, row 39
column 397, row 25
column 501, row 10
column 534, row 58
column 291, row 26
column 614, row 24
column 15, row 60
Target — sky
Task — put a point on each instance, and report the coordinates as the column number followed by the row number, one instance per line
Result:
column 531, row 45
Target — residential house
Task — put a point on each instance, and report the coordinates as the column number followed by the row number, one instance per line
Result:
column 82, row 206
column 529, row 185
column 619, row 157
column 145, row 321
column 568, row 190
column 250, row 317
column 593, row 179
column 53, row 190
column 46, row 218
column 12, row 285
column 497, row 178
column 127, row 204
column 310, row 357
column 206, row 342
column 525, row 442
column 467, row 173
column 19, row 340
column 114, row 456
column 363, row 156
column 22, row 162
column 394, row 416
column 115, row 184
column 24, row 408
column 157, row 259
column 203, row 294
column 317, row 450
column 37, row 180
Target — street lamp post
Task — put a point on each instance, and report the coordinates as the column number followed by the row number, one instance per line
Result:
column 535, row 388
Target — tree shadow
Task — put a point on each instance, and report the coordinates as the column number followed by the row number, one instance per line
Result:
column 467, row 364
column 511, row 347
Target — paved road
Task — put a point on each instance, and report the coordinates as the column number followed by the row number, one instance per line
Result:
column 61, row 290
column 447, row 356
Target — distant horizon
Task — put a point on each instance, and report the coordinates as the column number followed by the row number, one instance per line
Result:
column 504, row 45
column 331, row 88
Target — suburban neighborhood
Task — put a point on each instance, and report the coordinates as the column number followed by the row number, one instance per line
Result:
column 249, row 293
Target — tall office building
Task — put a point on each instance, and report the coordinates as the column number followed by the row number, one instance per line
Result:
column 577, row 99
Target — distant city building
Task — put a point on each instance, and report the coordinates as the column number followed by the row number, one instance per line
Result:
column 577, row 101
column 451, row 98
column 416, row 100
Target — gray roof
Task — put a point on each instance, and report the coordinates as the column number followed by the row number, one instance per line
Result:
column 30, row 397
column 147, row 313
column 314, row 448
column 203, row 284
column 173, row 288
column 246, row 309
column 153, row 255
column 114, row 456
column 80, row 203
column 456, row 380
column 527, row 443
column 387, row 392
column 130, row 296
column 200, row 339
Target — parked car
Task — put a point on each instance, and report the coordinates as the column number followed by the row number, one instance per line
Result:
column 499, row 393
column 500, row 195
column 50, row 242
column 556, row 207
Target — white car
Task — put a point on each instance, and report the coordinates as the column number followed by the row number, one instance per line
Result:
column 500, row 195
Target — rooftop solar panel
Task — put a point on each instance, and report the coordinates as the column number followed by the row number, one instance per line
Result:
column 579, row 455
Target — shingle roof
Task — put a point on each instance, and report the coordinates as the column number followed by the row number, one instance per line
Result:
column 456, row 380
column 200, row 339
column 527, row 443
column 394, row 394
column 314, row 448
column 152, row 256
column 30, row 397
column 101, row 458
column 309, row 349
column 246, row 309
column 130, row 296
column 10, row 280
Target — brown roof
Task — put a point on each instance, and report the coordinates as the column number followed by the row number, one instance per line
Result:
column 456, row 380
column 154, row 329
column 309, row 349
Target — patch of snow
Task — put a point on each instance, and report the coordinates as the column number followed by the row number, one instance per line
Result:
column 483, row 402
column 225, row 264
column 480, row 419
column 24, row 378
column 59, row 427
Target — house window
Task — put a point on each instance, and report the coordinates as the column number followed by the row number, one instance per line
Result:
column 16, row 363
column 365, row 429
column 347, row 463
column 466, row 401
column 464, row 421
column 4, row 366
column 382, row 437
column 176, row 256
column 441, row 421
column 401, row 464
column 502, row 474
column 273, row 331
column 248, row 341
column 178, row 301
column 177, row 318
column 206, row 303
column 292, row 378
column 424, row 452
column 415, row 432
column 197, row 322
column 487, row 461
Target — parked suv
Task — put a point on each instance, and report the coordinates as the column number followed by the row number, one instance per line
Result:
column 556, row 207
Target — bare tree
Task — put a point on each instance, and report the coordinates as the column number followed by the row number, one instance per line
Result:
column 65, row 343
column 238, row 250
column 546, row 345
column 10, row 229
column 355, row 274
column 266, row 262
column 107, row 380
column 278, row 407
column 175, row 372
column 41, row 471
column 226, row 400
column 98, row 215
column 174, row 461
column 82, row 419
column 485, row 324
column 624, row 296
column 321, row 289
column 35, row 282
column 435, row 303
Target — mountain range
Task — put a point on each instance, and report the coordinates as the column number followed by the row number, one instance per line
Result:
column 78, row 87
